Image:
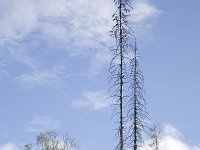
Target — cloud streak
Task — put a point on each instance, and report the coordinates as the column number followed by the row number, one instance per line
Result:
column 32, row 29
column 144, row 17
column 9, row 146
column 92, row 101
column 144, row 11
column 41, row 124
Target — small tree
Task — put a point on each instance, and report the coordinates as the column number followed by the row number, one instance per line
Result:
column 50, row 141
column 155, row 138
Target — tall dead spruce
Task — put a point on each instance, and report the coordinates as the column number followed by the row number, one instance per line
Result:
column 137, row 115
column 118, row 67
column 126, row 81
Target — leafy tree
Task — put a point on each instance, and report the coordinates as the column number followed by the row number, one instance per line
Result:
column 50, row 141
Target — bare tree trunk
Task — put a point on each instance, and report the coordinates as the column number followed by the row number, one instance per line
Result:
column 118, row 66
column 125, row 79
column 121, row 82
column 137, row 114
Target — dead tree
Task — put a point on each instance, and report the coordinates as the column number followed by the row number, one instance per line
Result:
column 125, row 77
column 136, row 113
column 118, row 66
column 155, row 138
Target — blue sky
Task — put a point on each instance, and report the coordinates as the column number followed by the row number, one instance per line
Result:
column 54, row 56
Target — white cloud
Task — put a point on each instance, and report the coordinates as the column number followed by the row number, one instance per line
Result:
column 172, row 131
column 71, row 22
column 17, row 19
column 100, row 59
column 143, row 11
column 51, row 78
column 144, row 17
column 43, row 78
column 171, row 139
column 19, row 55
column 171, row 143
column 92, row 101
column 70, row 26
column 41, row 124
column 9, row 146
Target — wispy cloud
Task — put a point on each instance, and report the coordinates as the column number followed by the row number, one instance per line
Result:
column 41, row 124
column 99, row 60
column 143, row 11
column 92, row 101
column 17, row 19
column 30, row 30
column 144, row 15
column 9, row 146
column 50, row 77
column 66, row 22
column 41, row 78
column 3, row 70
